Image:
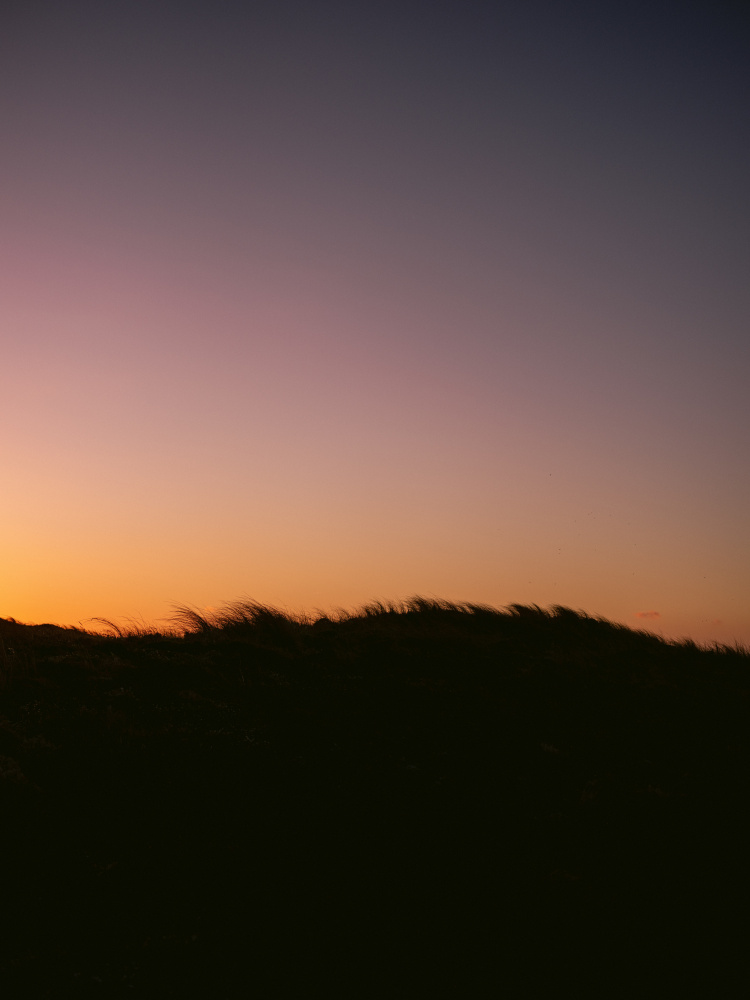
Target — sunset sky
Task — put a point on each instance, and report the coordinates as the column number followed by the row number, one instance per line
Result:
column 317, row 303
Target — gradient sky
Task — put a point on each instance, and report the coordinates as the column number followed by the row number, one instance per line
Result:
column 317, row 303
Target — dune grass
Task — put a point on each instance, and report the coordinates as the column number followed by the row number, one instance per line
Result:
column 410, row 798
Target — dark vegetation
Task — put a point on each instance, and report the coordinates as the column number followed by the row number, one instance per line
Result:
column 414, row 800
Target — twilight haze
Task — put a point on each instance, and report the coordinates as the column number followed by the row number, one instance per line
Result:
column 317, row 303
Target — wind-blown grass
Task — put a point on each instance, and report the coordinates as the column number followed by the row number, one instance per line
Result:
column 410, row 798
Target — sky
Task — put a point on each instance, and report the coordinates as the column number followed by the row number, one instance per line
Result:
column 317, row 303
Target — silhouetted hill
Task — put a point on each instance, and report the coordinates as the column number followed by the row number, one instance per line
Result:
column 411, row 800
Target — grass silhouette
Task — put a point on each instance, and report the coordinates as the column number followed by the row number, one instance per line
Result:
column 415, row 798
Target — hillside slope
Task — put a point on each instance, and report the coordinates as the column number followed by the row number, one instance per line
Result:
column 414, row 799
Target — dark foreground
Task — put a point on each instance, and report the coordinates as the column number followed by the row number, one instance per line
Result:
column 429, row 801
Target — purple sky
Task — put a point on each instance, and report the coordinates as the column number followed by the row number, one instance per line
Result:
column 324, row 302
